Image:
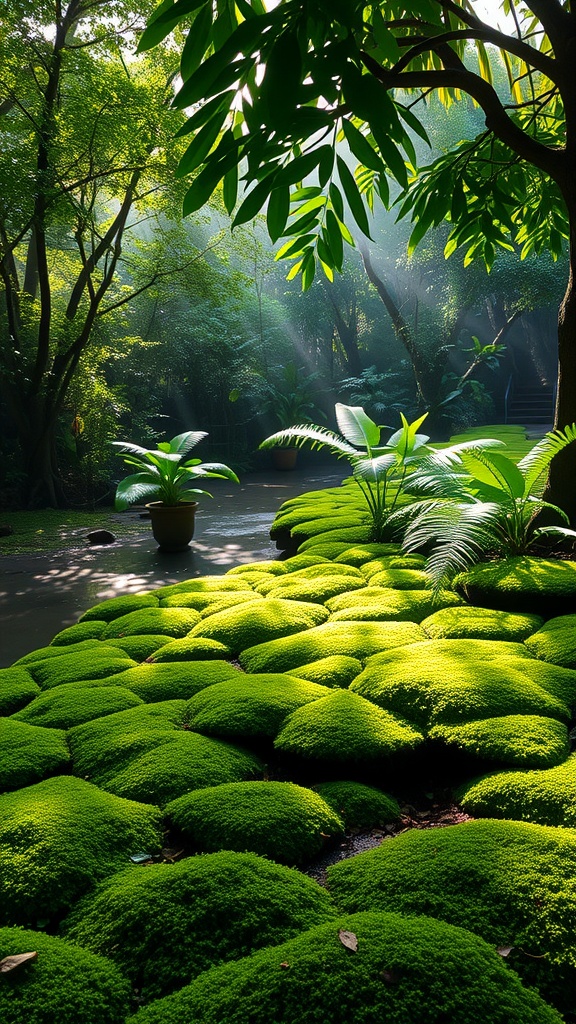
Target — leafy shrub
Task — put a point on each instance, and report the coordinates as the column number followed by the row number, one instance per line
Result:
column 65, row 706
column 17, row 689
column 61, row 836
column 279, row 820
column 520, row 584
column 405, row 969
column 358, row 805
column 251, row 706
column 555, row 641
column 28, row 753
column 191, row 648
column 346, row 728
column 547, row 797
column 252, row 624
column 64, row 985
column 167, row 924
column 384, row 604
column 176, row 622
column 95, row 663
column 173, row 680
column 355, row 639
column 480, row 624
column 525, row 741
column 338, row 670
column 114, row 607
column 509, row 882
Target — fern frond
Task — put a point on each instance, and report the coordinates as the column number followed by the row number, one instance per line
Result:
column 462, row 534
column 317, row 437
column 537, row 461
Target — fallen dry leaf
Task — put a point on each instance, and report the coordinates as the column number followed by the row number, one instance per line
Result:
column 12, row 963
column 505, row 950
column 349, row 940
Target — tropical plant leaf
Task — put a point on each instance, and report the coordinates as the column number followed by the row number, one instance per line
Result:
column 183, row 443
column 537, row 461
column 317, row 437
column 356, row 425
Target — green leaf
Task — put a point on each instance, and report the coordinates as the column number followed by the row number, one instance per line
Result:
column 335, row 239
column 278, row 210
column 196, row 42
column 201, row 145
column 298, row 169
column 230, row 188
column 356, row 426
column 204, row 185
column 413, row 122
column 223, row 68
column 254, row 201
column 353, row 196
column 293, row 247
column 308, row 269
column 162, row 21
column 205, row 113
column 280, row 86
column 336, row 200
column 391, row 155
column 361, row 148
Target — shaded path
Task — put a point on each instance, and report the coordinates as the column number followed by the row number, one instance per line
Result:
column 41, row 594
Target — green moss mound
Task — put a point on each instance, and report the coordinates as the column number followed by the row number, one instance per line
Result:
column 250, row 706
column 453, row 681
column 360, row 554
column 512, row 883
column 351, row 535
column 405, row 969
column 536, row 585
column 270, row 565
column 358, row 805
column 165, row 925
column 91, row 630
column 191, row 648
column 338, row 670
column 173, row 680
column 316, row 590
column 311, row 572
column 525, row 741
column 70, row 705
column 320, row 547
column 480, row 624
column 400, row 579
column 547, row 797
column 205, row 599
column 61, row 836
column 279, row 820
column 95, row 663
column 29, row 753
column 346, row 728
column 383, row 604
column 252, row 624
column 297, row 562
column 354, row 639
column 200, row 585
column 17, row 689
column 42, row 653
column 64, row 985
column 182, row 762
column 139, row 648
column 176, row 622
column 102, row 747
column 117, row 606
column 555, row 641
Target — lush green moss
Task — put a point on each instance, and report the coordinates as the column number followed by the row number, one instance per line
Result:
column 314, row 590
column 297, row 562
column 452, row 681
column 174, row 680
column 204, row 600
column 405, row 969
column 191, row 648
column 344, row 727
column 383, row 604
column 200, row 585
column 252, row 624
column 183, row 761
column 114, row 607
column 167, row 924
column 251, row 705
column 64, row 985
column 512, row 883
column 42, row 653
column 555, row 641
column 351, row 536
column 139, row 648
column 358, row 805
column 401, row 579
column 311, row 572
column 270, row 565
column 279, row 820
column 28, row 753
column 537, row 585
column 61, row 836
column 65, row 706
column 318, row 546
column 89, row 630
column 103, row 747
column 480, row 624
column 338, row 670
column 355, row 639
column 96, row 663
column 176, row 622
column 360, row 554
column 310, row 520
column 17, row 688
column 547, row 797
column 522, row 740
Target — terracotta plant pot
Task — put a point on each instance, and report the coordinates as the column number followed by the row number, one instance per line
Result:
column 173, row 525
column 284, row 458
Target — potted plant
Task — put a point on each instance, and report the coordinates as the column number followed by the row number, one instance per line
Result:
column 289, row 400
column 163, row 475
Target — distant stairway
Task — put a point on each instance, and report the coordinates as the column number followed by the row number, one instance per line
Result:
column 531, row 404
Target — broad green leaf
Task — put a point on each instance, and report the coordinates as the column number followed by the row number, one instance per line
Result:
column 335, row 239
column 356, row 426
column 196, row 42
column 277, row 212
column 254, row 201
column 161, row 23
column 297, row 169
column 361, row 148
column 230, row 188
column 336, row 200
column 353, row 196
column 293, row 247
column 201, row 145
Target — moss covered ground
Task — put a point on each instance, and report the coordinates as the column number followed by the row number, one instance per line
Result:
column 167, row 763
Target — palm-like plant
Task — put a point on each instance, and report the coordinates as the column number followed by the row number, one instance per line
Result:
column 481, row 503
column 164, row 473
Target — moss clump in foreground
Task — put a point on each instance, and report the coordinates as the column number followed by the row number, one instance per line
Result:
column 253, row 706
column 17, row 689
column 346, row 728
column 547, row 797
column 255, row 623
column 159, row 681
column 70, row 705
column 175, row 622
column 536, row 585
column 166, row 924
column 113, row 608
column 404, row 969
column 479, row 624
column 555, row 641
column 338, row 670
column 64, row 985
column 354, row 639
column 387, row 605
column 91, row 630
column 139, row 648
column 358, row 805
column 191, row 648
column 28, row 753
column 95, row 663
column 61, row 836
column 512, row 883
column 526, row 741
column 279, row 820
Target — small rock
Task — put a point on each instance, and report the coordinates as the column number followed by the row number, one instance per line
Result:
column 100, row 537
